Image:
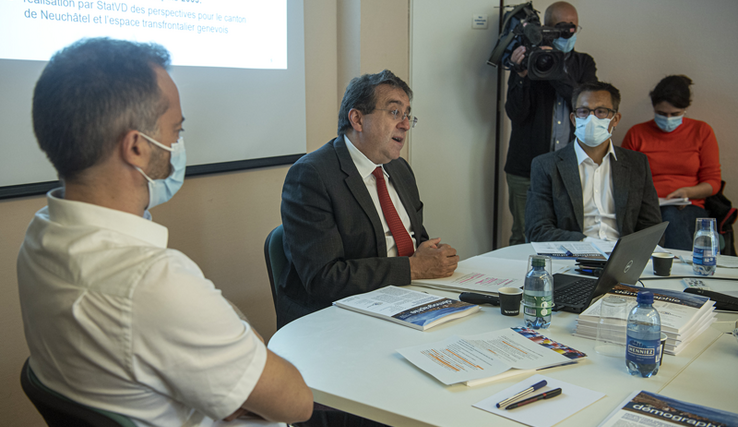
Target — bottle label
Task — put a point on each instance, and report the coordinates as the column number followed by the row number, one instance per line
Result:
column 703, row 257
column 537, row 306
column 644, row 352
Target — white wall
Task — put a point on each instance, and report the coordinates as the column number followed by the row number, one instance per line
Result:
column 452, row 148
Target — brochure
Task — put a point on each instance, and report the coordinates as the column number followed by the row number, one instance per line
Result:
column 487, row 357
column 407, row 307
column 646, row 409
column 568, row 250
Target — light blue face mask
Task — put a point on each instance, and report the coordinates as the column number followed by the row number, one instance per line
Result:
column 668, row 124
column 592, row 131
column 161, row 190
column 565, row 45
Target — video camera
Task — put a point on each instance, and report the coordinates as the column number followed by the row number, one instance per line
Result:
column 522, row 27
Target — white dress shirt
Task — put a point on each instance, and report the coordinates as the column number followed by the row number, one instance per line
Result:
column 597, row 194
column 365, row 168
column 116, row 321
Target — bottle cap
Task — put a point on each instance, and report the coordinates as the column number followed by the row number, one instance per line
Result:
column 645, row 297
column 538, row 261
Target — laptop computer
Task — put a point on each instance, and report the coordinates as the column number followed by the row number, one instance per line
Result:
column 625, row 265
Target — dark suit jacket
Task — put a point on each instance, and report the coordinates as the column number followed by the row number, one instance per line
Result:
column 530, row 106
column 555, row 207
column 333, row 235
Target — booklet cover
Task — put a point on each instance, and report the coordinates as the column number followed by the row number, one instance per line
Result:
column 646, row 409
column 489, row 356
column 407, row 307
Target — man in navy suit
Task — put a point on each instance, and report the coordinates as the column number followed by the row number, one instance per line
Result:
column 337, row 236
column 591, row 188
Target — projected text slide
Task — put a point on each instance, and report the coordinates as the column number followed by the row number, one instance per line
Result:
column 205, row 33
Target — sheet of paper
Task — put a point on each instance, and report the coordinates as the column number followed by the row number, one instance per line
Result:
column 679, row 201
column 544, row 413
column 465, row 279
column 458, row 359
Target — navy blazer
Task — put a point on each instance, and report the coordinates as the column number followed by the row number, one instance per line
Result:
column 333, row 236
column 555, row 206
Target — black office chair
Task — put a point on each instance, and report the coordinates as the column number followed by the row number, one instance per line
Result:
column 276, row 260
column 59, row 411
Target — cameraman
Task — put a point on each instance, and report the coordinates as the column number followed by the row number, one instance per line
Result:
column 539, row 111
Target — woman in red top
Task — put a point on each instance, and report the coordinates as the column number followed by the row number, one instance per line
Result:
column 684, row 158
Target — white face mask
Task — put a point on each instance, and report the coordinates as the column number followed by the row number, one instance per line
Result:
column 592, row 131
column 161, row 190
column 668, row 124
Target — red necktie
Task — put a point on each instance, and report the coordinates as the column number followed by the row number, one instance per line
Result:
column 402, row 238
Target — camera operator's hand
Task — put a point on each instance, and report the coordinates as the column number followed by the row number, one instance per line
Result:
column 517, row 57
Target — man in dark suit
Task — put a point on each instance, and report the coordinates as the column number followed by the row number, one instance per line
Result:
column 338, row 236
column 591, row 188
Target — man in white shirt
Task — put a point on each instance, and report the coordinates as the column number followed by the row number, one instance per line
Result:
column 113, row 319
column 591, row 188
column 338, row 235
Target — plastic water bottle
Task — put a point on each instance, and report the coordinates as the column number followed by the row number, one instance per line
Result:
column 538, row 293
column 643, row 350
column 705, row 248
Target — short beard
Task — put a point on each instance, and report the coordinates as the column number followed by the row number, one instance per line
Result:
column 158, row 168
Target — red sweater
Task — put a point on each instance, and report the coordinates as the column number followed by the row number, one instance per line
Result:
column 684, row 157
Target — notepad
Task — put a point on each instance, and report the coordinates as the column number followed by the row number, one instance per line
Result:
column 544, row 413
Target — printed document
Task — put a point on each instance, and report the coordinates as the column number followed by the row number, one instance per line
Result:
column 459, row 359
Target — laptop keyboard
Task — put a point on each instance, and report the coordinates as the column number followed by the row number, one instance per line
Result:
column 576, row 293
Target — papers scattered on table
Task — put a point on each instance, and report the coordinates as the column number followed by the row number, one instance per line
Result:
column 407, row 307
column 683, row 316
column 490, row 356
column 725, row 261
column 645, row 409
column 464, row 281
column 679, row 201
column 544, row 413
column 567, row 250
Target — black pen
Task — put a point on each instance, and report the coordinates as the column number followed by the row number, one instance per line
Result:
column 545, row 395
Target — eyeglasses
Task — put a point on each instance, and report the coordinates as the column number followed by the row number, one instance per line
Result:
column 600, row 112
column 396, row 115
column 568, row 26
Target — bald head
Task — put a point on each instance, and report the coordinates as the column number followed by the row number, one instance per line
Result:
column 560, row 11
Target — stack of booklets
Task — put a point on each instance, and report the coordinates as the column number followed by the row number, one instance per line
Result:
column 683, row 316
column 491, row 356
column 407, row 307
column 645, row 409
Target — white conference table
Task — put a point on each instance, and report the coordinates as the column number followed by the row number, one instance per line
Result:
column 349, row 360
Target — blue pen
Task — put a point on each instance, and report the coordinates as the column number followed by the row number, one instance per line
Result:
column 525, row 392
